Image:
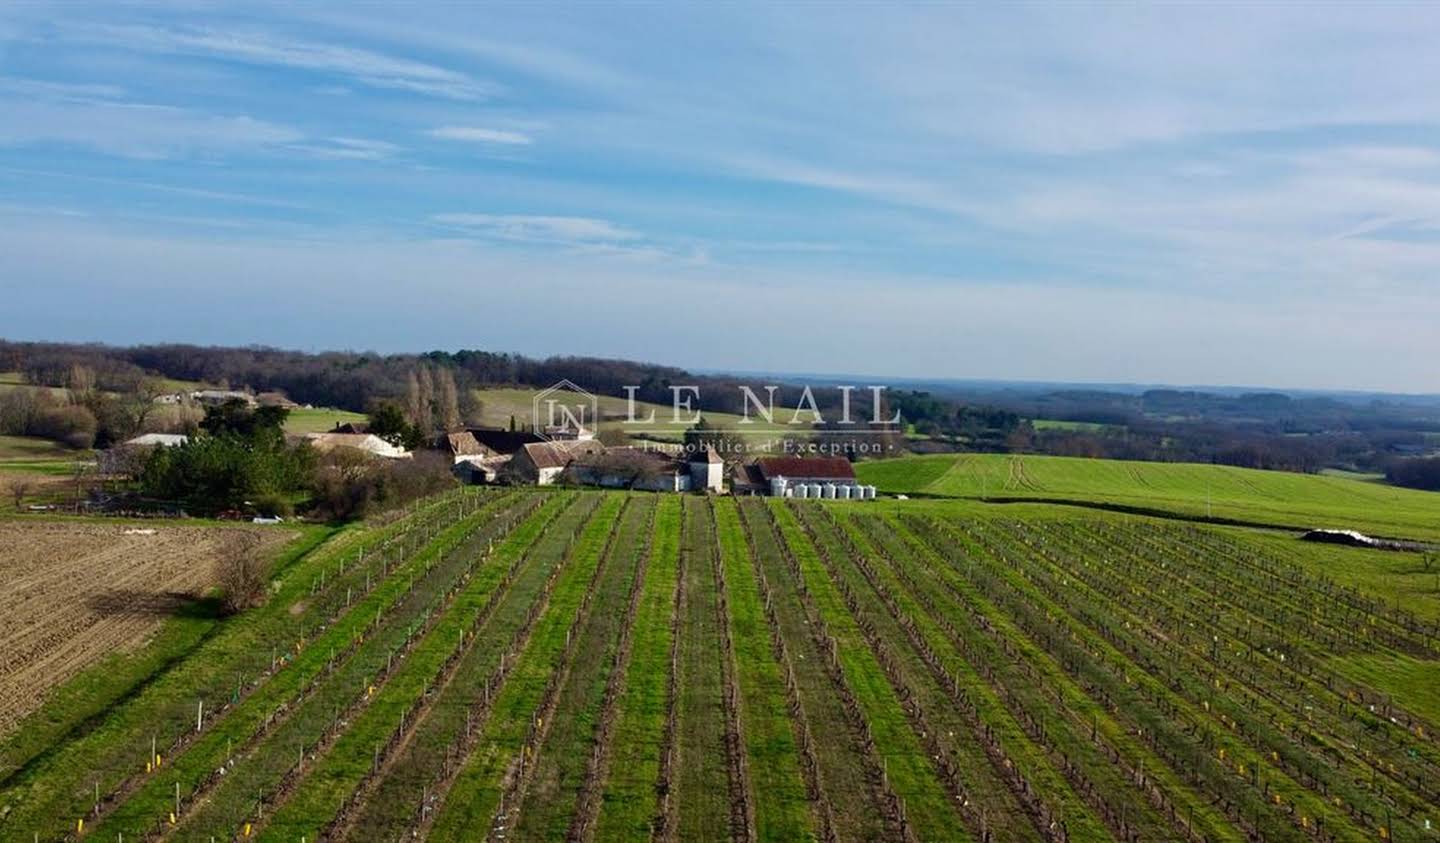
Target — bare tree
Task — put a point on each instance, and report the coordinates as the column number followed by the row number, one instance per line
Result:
column 19, row 488
column 240, row 570
column 426, row 421
column 448, row 406
column 141, row 403
column 414, row 408
column 81, row 382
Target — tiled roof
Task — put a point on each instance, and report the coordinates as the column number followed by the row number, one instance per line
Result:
column 836, row 468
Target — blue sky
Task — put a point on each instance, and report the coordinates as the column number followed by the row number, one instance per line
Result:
column 1113, row 193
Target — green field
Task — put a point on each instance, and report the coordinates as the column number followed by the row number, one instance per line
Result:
column 318, row 419
column 1086, row 427
column 21, row 455
column 540, row 665
column 1193, row 490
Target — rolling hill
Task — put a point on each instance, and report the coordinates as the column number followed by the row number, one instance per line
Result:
column 1221, row 493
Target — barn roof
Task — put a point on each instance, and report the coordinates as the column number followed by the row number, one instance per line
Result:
column 828, row 468
column 464, row 443
column 559, row 454
column 503, row 441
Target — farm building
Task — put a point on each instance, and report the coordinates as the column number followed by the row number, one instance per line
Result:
column 164, row 440
column 808, row 477
column 367, row 442
column 501, row 441
column 746, row 479
column 542, row 463
column 632, row 468
column 707, row 470
column 563, row 433
column 473, row 462
column 220, row 396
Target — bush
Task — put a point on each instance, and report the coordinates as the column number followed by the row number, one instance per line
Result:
column 350, row 484
column 74, row 426
column 241, row 572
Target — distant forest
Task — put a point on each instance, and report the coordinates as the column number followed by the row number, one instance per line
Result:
column 1398, row 438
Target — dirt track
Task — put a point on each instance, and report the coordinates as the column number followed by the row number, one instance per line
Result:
column 73, row 593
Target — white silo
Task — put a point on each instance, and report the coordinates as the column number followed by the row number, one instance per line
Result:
column 777, row 486
column 869, row 493
column 842, row 492
column 814, row 490
column 829, row 491
column 801, row 490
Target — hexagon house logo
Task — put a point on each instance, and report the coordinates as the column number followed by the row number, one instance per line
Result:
column 564, row 411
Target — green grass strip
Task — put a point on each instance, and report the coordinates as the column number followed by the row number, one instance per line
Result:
column 628, row 806
column 782, row 810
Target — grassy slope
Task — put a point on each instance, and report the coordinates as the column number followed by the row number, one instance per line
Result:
column 1269, row 497
column 318, row 419
column 32, row 448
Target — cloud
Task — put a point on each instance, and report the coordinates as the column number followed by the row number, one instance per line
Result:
column 477, row 134
column 539, row 229
column 349, row 149
column 376, row 70
column 45, row 89
column 134, row 130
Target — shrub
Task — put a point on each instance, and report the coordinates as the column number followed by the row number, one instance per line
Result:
column 240, row 571
column 351, row 484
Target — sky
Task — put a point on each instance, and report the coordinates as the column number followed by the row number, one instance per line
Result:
column 1223, row 194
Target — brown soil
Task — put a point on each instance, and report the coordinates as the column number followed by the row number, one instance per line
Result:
column 71, row 594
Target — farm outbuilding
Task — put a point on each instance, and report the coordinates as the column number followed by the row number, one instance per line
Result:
column 828, row 478
column 162, row 440
column 366, row 442
column 542, row 463
column 707, row 470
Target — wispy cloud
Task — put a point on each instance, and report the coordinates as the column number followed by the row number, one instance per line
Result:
column 53, row 176
column 135, row 130
column 539, row 229
column 374, row 69
column 349, row 149
column 477, row 134
column 46, row 89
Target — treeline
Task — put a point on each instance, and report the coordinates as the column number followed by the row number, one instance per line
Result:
column 1418, row 473
column 1203, row 444
column 357, row 380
